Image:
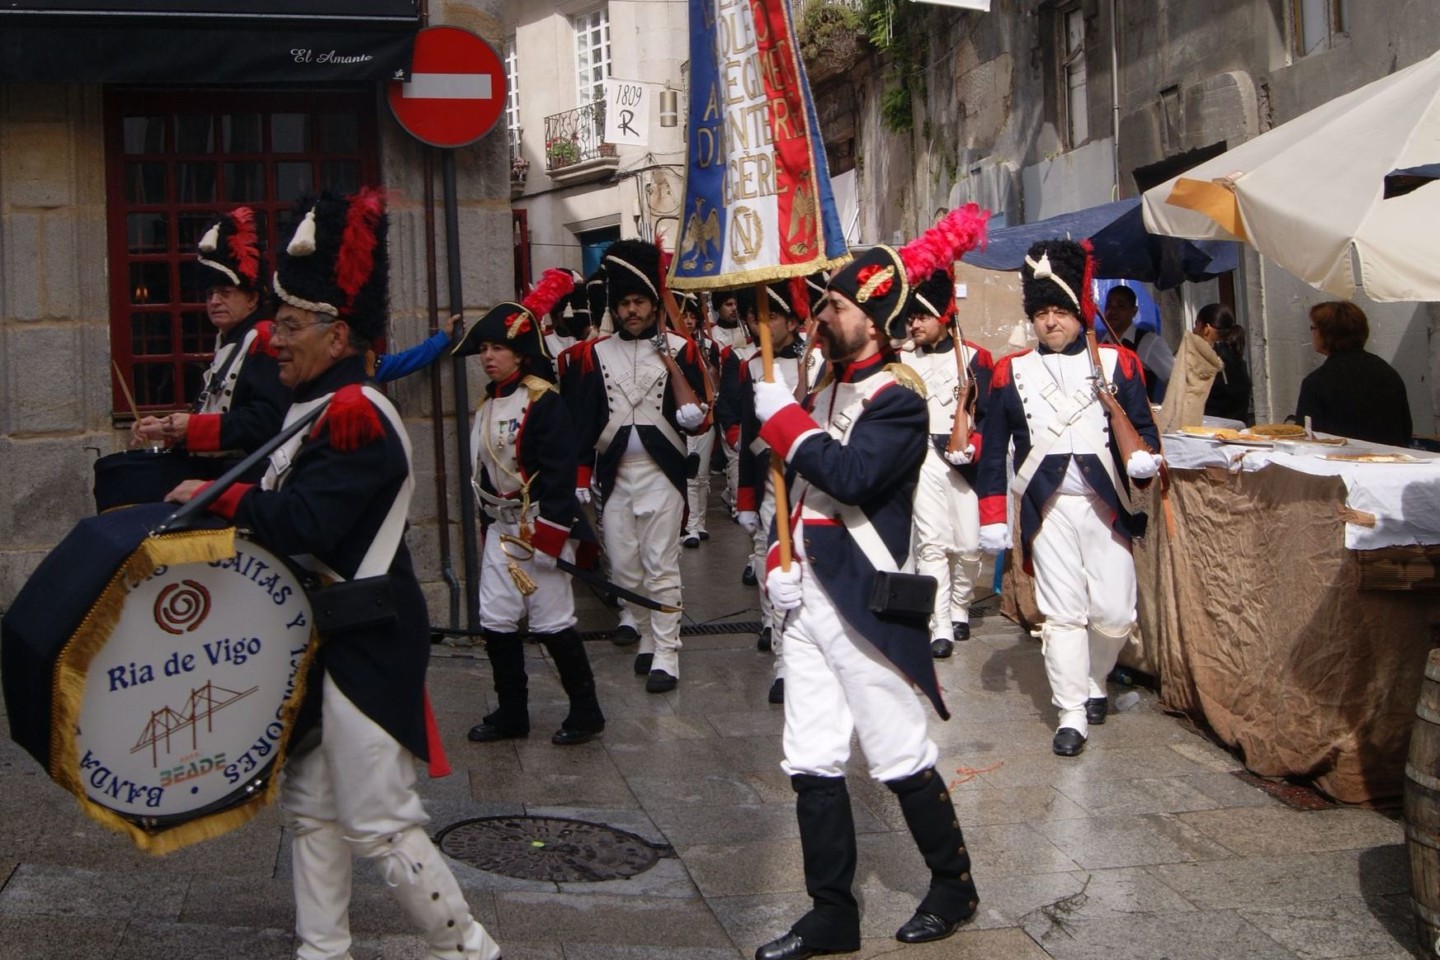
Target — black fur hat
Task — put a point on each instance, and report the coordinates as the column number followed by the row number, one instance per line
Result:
column 230, row 253
column 933, row 297
column 336, row 263
column 1057, row 273
column 631, row 266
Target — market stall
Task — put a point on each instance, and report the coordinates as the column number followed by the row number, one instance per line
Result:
column 1292, row 608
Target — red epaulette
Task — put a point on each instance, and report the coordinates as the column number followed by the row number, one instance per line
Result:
column 261, row 344
column 351, row 418
column 980, row 355
column 1002, row 369
column 585, row 350
column 1128, row 360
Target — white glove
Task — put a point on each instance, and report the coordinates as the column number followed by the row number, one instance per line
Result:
column 961, row 457
column 542, row 560
column 749, row 520
column 1143, row 464
column 783, row 587
column 770, row 397
column 689, row 416
column 995, row 537
column 583, row 495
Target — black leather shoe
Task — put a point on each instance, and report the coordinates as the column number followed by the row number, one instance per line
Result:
column 690, row 542
column 624, row 635
column 961, row 631
column 704, row 535
column 925, row 927
column 777, row 691
column 489, row 733
column 940, row 648
column 788, row 947
column 573, row 738
column 748, row 577
column 763, row 640
column 642, row 663
column 660, row 682
column 1095, row 710
column 1068, row 742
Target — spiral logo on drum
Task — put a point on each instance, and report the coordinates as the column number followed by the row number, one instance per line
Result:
column 182, row 607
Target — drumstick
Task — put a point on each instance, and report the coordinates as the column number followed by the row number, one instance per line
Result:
column 125, row 389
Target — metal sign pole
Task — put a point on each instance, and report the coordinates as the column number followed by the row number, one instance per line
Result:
column 462, row 398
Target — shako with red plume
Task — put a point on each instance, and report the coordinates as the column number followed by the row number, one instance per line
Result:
column 879, row 279
column 520, row 326
column 336, row 262
column 229, row 253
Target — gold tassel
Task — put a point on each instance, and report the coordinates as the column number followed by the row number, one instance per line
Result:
column 523, row 583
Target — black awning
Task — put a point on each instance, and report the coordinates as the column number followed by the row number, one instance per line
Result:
column 206, row 41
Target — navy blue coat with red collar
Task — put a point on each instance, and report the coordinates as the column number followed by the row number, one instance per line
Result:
column 340, row 488
column 546, row 444
column 876, row 470
column 1005, row 421
column 258, row 405
column 754, row 466
column 582, row 385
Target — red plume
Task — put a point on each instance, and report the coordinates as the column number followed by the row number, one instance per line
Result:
column 1087, row 293
column 935, row 249
column 357, row 244
column 800, row 297
column 244, row 246
column 555, row 285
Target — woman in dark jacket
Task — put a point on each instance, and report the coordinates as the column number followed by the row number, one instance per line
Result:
column 1230, row 390
column 1353, row 393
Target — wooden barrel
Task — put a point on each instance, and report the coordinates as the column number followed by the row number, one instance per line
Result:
column 1422, row 809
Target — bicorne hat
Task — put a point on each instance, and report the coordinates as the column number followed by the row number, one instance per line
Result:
column 336, row 262
column 519, row 325
column 230, row 253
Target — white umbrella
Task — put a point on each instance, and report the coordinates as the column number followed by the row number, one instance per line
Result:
column 1309, row 191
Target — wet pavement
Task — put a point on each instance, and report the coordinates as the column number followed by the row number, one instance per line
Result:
column 1147, row 846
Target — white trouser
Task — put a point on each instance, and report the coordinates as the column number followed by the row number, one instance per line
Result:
column 1085, row 589
column 697, row 488
column 642, row 539
column 551, row 606
column 947, row 541
column 836, row 684
column 760, row 545
column 354, row 794
column 732, row 476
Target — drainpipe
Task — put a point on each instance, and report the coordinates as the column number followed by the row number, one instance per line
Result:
column 437, row 400
column 1115, row 96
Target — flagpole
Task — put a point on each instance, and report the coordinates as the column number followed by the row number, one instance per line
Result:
column 777, row 469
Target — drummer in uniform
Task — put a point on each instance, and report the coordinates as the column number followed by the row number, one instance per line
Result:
column 335, row 499
column 242, row 401
column 524, row 448
column 947, row 513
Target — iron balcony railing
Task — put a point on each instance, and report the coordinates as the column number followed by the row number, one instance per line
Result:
column 576, row 136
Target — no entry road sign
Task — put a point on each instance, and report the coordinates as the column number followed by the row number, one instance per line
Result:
column 456, row 89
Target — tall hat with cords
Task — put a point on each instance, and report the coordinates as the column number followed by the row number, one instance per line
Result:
column 1058, row 273
column 631, row 267
column 336, row 263
column 519, row 325
column 934, row 296
column 879, row 280
column 229, row 253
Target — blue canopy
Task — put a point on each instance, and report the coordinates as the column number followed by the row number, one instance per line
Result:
column 1124, row 250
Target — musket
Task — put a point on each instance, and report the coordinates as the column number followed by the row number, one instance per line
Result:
column 965, row 395
column 777, row 467
column 595, row 579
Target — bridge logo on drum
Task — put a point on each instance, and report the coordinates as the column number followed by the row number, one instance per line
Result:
column 181, row 607
column 199, row 711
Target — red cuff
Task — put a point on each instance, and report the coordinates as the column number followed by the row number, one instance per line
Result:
column 732, row 435
column 548, row 537
column 582, row 476
column 992, row 509
column 788, row 425
column 976, row 438
column 202, row 432
column 745, row 499
column 228, row 502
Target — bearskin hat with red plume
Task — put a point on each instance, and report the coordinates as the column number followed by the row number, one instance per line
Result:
column 879, row 280
column 336, row 262
column 933, row 296
column 519, row 325
column 1057, row 273
column 230, row 253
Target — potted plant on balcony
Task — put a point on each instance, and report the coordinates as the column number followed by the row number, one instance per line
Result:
column 561, row 152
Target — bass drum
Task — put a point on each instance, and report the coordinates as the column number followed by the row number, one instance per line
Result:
column 174, row 693
column 145, row 476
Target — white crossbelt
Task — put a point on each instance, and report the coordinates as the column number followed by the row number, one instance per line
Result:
column 634, row 393
column 1070, row 415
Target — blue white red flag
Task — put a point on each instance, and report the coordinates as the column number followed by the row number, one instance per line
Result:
column 758, row 202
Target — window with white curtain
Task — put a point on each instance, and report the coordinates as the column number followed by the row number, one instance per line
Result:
column 1071, row 73
column 592, row 54
column 512, row 96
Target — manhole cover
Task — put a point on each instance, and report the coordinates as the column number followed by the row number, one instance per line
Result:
column 550, row 848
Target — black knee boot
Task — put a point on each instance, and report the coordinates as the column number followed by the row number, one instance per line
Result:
column 511, row 716
column 827, row 840
column 585, row 719
column 930, row 815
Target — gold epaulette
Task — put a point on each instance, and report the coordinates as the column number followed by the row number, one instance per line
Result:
column 906, row 377
column 537, row 387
